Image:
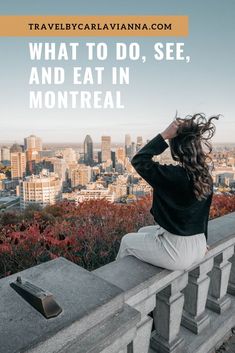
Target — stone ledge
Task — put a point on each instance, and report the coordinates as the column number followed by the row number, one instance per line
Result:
column 134, row 276
column 110, row 335
column 86, row 300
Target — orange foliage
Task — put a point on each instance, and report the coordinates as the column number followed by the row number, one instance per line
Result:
column 88, row 234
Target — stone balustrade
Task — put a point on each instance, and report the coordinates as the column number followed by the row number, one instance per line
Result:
column 127, row 306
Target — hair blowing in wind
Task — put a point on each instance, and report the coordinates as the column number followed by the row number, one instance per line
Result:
column 191, row 147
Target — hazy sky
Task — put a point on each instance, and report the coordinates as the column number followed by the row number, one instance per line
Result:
column 156, row 89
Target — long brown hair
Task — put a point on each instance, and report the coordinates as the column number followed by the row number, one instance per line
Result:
column 191, row 147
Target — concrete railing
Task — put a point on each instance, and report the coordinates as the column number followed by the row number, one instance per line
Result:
column 127, row 306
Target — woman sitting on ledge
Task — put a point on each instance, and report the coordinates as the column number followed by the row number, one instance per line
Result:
column 182, row 196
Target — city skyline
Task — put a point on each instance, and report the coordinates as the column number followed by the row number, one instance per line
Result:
column 134, row 138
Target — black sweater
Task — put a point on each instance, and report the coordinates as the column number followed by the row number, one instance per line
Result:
column 174, row 206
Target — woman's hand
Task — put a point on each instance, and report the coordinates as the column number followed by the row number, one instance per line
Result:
column 171, row 131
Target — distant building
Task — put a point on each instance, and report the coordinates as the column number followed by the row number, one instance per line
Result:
column 88, row 151
column 69, row 155
column 139, row 140
column 133, row 149
column 80, row 176
column 99, row 157
column 119, row 167
column 18, row 162
column 128, row 145
column 16, row 148
column 139, row 143
column 90, row 194
column 59, row 167
column 33, row 143
column 43, row 189
column 127, row 140
column 105, row 148
column 5, row 154
column 32, row 147
column 113, row 158
column 46, row 154
column 225, row 178
column 120, row 154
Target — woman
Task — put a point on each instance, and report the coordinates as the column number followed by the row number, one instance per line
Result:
column 182, row 196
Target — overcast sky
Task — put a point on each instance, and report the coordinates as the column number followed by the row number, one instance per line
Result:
column 156, row 89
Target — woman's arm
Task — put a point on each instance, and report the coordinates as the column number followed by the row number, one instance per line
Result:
column 142, row 161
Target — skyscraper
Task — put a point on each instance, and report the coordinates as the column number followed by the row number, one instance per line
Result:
column 139, row 140
column 127, row 140
column 18, row 162
column 105, row 148
column 88, row 150
column 128, row 145
column 133, row 149
column 32, row 147
column 81, row 175
column 139, row 143
column 5, row 154
column 33, row 143
column 69, row 155
column 120, row 153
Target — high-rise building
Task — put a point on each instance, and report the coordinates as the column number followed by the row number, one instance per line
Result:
column 5, row 154
column 33, row 143
column 16, row 148
column 18, row 162
column 139, row 143
column 32, row 147
column 139, row 140
column 105, row 148
column 69, row 155
column 80, row 175
column 127, row 140
column 59, row 167
column 120, row 154
column 128, row 145
column 133, row 149
column 113, row 158
column 43, row 189
column 88, row 150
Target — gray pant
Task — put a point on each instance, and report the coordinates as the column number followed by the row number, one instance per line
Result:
column 157, row 246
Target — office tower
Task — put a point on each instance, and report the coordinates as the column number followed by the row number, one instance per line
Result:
column 128, row 145
column 33, row 143
column 113, row 158
column 88, row 150
column 81, row 175
column 99, row 157
column 119, row 167
column 127, row 140
column 120, row 154
column 139, row 143
column 139, row 140
column 69, row 155
column 16, row 148
column 32, row 147
column 105, row 148
column 133, row 149
column 18, row 162
column 59, row 167
column 5, row 154
column 43, row 189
